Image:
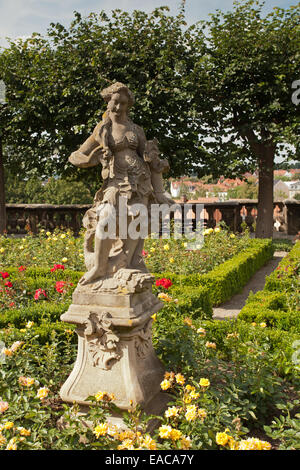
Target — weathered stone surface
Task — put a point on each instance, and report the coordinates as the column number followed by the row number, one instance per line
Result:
column 115, row 352
column 113, row 302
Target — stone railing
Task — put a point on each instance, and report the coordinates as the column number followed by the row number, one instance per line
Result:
column 22, row 218
column 243, row 212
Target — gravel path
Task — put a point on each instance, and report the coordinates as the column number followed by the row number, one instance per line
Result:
column 232, row 307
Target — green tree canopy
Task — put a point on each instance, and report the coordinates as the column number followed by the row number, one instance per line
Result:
column 245, row 84
column 54, row 83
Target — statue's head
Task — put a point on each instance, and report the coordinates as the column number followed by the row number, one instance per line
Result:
column 151, row 152
column 119, row 98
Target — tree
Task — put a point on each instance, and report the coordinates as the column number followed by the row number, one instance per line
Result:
column 245, row 79
column 54, row 83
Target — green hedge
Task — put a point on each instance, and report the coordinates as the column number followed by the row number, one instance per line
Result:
column 42, row 310
column 277, row 340
column 288, row 321
column 44, row 332
column 229, row 277
column 272, row 305
column 194, row 299
column 284, row 277
column 279, row 345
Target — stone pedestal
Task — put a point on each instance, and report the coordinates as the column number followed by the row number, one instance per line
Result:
column 115, row 352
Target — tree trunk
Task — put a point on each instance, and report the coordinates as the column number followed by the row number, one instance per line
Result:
column 2, row 193
column 264, row 221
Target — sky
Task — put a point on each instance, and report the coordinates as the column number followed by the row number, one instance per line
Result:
column 20, row 18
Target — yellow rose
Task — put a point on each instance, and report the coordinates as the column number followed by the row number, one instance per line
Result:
column 149, row 443
column 175, row 434
column 202, row 413
column 165, row 431
column 186, row 443
column 217, row 230
column 101, row 430
column 222, row 438
column 191, row 413
column 12, row 444
column 7, row 352
column 180, row 379
column 24, row 432
column 172, row 411
column 204, row 383
column 8, row 425
column 201, row 331
column 166, row 247
column 165, row 384
column 208, row 344
column 42, row 393
column 171, row 260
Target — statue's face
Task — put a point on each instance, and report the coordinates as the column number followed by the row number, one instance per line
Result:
column 118, row 104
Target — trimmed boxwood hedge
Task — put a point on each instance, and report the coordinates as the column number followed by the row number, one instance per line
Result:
column 277, row 340
column 280, row 345
column 229, row 277
column 38, row 312
column 194, row 299
column 271, row 305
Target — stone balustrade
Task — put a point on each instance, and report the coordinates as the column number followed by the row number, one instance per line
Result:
column 22, row 218
column 237, row 214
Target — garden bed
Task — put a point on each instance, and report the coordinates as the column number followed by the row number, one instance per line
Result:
column 228, row 380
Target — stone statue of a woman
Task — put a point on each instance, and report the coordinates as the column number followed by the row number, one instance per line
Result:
column 132, row 170
column 113, row 304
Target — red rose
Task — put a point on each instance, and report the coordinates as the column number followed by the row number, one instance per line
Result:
column 59, row 286
column 165, row 283
column 38, row 293
column 4, row 275
column 22, row 268
column 144, row 253
column 57, row 266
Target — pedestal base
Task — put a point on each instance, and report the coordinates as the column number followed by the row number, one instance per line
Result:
column 115, row 352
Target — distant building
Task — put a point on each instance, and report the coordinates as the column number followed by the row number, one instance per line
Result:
column 286, row 189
